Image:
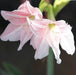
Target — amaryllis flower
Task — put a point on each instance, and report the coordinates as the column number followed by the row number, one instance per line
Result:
column 19, row 28
column 51, row 34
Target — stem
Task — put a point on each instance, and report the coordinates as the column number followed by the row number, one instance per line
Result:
column 50, row 63
column 50, row 13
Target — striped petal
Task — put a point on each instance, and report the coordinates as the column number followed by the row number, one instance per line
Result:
column 15, row 17
column 11, row 33
column 26, row 35
column 41, row 46
column 53, row 40
column 67, row 41
column 26, row 6
column 39, row 27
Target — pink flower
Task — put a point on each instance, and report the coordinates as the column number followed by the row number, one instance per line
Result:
column 19, row 28
column 51, row 34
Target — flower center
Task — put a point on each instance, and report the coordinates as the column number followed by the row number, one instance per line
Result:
column 51, row 26
column 32, row 17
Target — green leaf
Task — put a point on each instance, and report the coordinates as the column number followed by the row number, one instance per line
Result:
column 11, row 69
column 3, row 72
column 59, row 5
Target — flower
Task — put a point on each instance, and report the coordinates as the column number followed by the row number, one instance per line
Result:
column 51, row 34
column 19, row 28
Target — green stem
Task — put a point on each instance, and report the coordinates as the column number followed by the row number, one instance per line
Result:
column 50, row 12
column 50, row 63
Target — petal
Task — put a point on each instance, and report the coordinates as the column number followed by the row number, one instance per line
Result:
column 33, row 42
column 25, row 36
column 11, row 33
column 36, row 42
column 37, row 13
column 67, row 41
column 53, row 41
column 42, row 47
column 26, row 6
column 15, row 17
column 39, row 27
column 60, row 22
